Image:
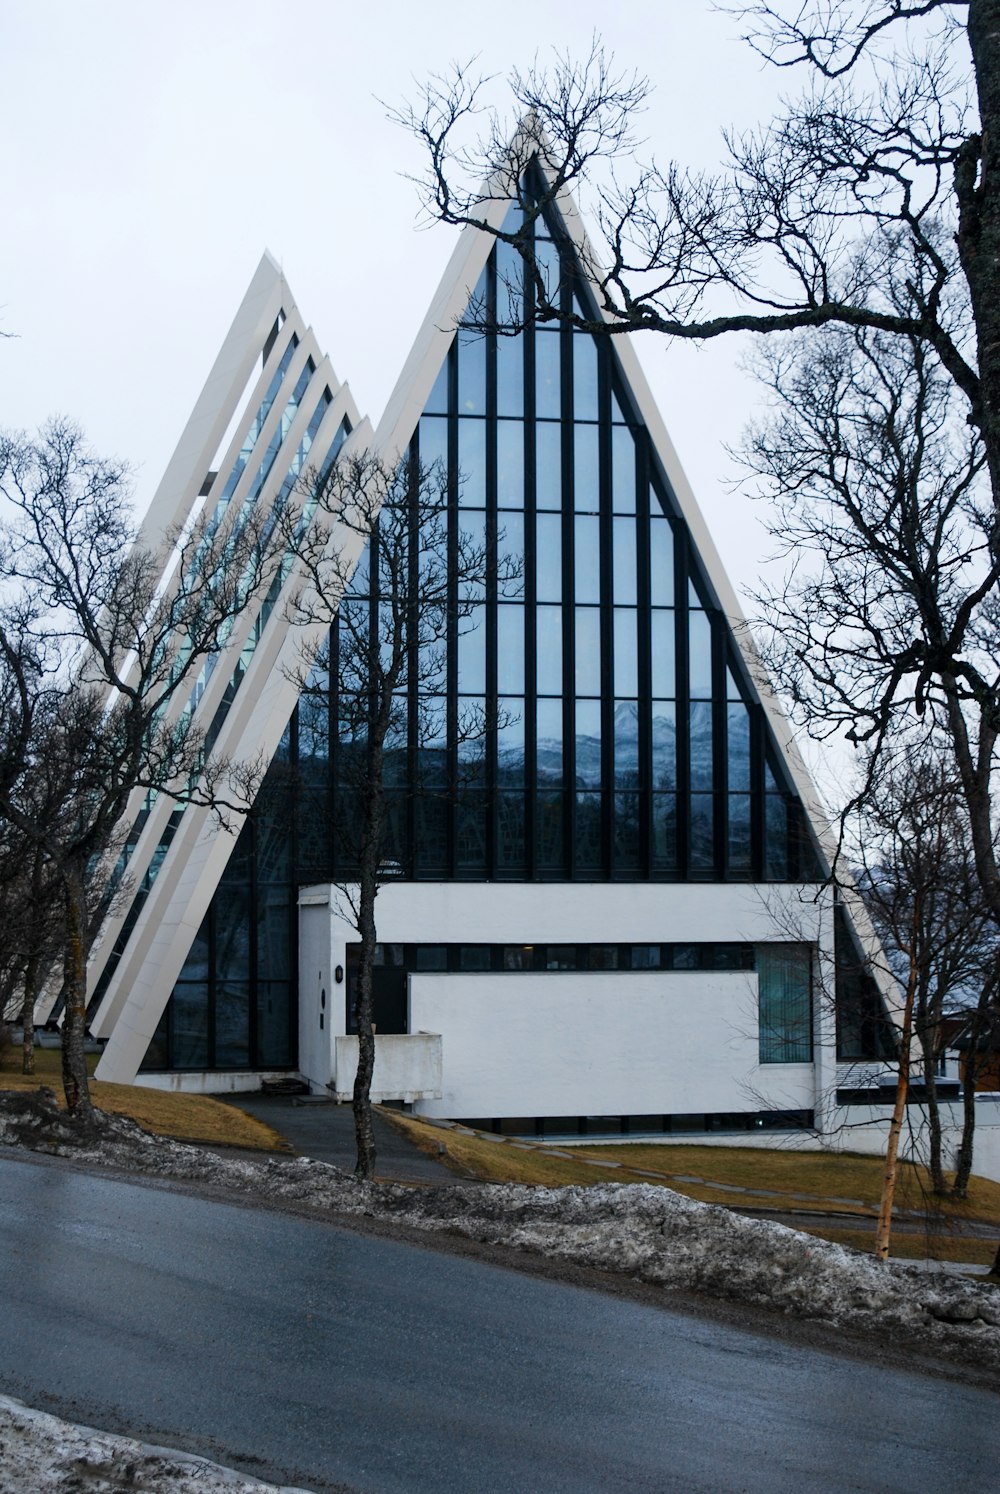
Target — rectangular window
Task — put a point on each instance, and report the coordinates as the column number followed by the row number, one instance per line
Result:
column 547, row 381
column 548, row 557
column 586, row 470
column 471, row 373
column 584, row 377
column 548, row 465
column 510, row 464
column 785, row 995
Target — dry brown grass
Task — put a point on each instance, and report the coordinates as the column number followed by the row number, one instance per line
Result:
column 824, row 1180
column 182, row 1117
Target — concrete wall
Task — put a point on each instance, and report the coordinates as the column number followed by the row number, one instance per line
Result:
column 407, row 1066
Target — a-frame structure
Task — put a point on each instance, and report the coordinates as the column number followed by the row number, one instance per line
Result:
column 615, row 916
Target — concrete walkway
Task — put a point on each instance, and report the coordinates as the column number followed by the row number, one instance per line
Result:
column 325, row 1132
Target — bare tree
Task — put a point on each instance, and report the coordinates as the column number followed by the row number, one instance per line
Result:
column 414, row 589
column 100, row 651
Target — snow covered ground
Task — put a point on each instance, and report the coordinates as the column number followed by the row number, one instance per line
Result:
column 644, row 1232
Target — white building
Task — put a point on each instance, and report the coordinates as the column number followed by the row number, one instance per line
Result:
column 610, row 913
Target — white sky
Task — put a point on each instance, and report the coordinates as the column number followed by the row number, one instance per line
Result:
column 152, row 150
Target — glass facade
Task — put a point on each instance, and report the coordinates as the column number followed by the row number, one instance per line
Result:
column 590, row 720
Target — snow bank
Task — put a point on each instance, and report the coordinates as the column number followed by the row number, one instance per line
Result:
column 39, row 1454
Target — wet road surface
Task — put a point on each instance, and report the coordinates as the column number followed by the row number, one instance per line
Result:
column 305, row 1353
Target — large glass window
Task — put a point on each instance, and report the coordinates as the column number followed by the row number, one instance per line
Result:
column 785, row 995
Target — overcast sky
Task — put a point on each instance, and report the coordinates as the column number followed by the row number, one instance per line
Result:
column 153, row 150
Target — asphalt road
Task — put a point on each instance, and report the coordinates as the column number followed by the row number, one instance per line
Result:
column 305, row 1353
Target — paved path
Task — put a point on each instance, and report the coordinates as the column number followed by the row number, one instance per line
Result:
column 307, row 1354
column 326, row 1133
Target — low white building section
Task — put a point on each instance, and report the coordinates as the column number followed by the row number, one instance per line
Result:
column 573, row 1043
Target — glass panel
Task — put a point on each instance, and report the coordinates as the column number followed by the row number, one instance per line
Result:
column 661, row 563
column 549, row 812
column 548, row 266
column 616, row 411
column 471, row 372
column 587, row 558
column 274, row 1024
column 547, row 379
column 702, row 823
column 626, row 744
column 437, row 403
column 519, row 957
column 549, row 662
column 739, row 832
column 470, row 834
column 195, row 967
column 431, row 832
column 701, row 745
column 510, row 554
column 232, row 1024
column 588, row 743
column 584, row 377
column 358, row 584
column 622, row 471
column 784, row 985
column 664, row 745
column 471, row 743
column 510, row 831
column 510, row 464
column 549, row 739
column 472, row 653
column 510, row 649
column 472, row 463
column 510, row 741
column 645, row 957
column 662, row 650
column 274, row 953
column 586, row 469
column 434, row 443
column 738, row 743
column 510, row 281
column 626, row 843
column 588, row 651
column 623, row 542
column 232, row 932
column 510, row 374
column 548, row 466
column 474, row 957
column 548, row 557
column 626, row 652
column 560, row 957
column 664, row 830
column 189, row 1025
column 431, row 957
column 776, row 859
column 471, row 580
column 588, row 831
column 700, row 655
column 733, row 691
column 432, row 739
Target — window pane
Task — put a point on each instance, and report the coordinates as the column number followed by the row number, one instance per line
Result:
column 587, row 558
column 472, row 653
column 783, row 975
column 701, row 745
column 664, row 830
column 472, row 578
column 232, row 1024
column 623, row 541
column 664, row 745
column 472, row 463
column 510, row 371
column 626, row 652
column 626, row 842
column 189, row 1025
column 738, row 746
column 700, row 655
column 470, row 833
column 510, row 464
column 661, row 563
column 622, row 471
column 510, row 831
column 437, row 403
column 702, row 824
column 588, row 651
column 549, row 814
column 434, row 443
column 510, row 741
column 547, row 380
column 471, row 373
column 548, row 465
column 510, row 649
column 584, row 377
column 626, row 744
column 588, row 831
column 662, row 650
column 588, row 743
column 548, row 557
column 586, row 469
column 549, row 650
column 510, row 554
column 549, row 739
column 739, row 832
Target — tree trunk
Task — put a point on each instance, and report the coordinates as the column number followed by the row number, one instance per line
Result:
column 74, row 1060
column 28, row 1015
column 884, row 1227
column 935, row 1161
column 364, row 1130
